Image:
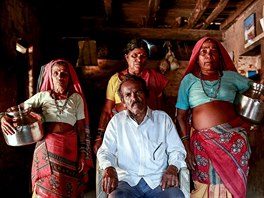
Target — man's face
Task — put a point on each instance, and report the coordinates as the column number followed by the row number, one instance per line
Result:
column 134, row 98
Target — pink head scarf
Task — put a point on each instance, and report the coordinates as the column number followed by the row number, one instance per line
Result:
column 225, row 60
column 48, row 85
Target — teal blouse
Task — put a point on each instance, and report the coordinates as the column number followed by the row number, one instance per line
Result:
column 191, row 92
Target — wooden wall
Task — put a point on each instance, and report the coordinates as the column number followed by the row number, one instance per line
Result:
column 16, row 22
column 234, row 39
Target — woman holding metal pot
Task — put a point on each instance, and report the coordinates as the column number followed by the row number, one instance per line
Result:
column 214, row 136
column 62, row 158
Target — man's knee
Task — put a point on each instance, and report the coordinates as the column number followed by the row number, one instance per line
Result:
column 172, row 193
column 120, row 193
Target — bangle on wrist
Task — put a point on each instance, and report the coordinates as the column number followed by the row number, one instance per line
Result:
column 82, row 150
column 83, row 145
column 100, row 133
column 185, row 137
column 98, row 139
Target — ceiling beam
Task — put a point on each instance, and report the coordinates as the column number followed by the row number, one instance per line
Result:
column 153, row 8
column 159, row 33
column 108, row 9
column 198, row 11
column 232, row 18
column 218, row 9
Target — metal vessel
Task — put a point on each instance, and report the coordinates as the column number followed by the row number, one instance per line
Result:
column 28, row 126
column 250, row 104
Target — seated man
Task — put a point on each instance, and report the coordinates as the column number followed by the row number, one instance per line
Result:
column 141, row 153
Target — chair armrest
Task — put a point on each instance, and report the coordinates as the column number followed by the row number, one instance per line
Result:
column 184, row 178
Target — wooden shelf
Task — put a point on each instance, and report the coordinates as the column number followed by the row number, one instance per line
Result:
column 254, row 41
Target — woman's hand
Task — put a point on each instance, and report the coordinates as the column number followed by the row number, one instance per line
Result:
column 190, row 160
column 109, row 180
column 81, row 162
column 170, row 177
column 7, row 126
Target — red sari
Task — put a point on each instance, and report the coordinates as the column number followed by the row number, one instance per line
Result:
column 207, row 145
column 55, row 166
column 226, row 147
column 156, row 84
column 56, row 157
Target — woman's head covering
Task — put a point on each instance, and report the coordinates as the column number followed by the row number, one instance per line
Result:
column 47, row 84
column 225, row 60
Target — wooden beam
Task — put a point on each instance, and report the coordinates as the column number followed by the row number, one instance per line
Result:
column 108, row 9
column 198, row 11
column 232, row 18
column 153, row 8
column 159, row 33
column 218, row 9
column 262, row 62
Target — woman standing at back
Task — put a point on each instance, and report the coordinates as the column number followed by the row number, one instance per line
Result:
column 136, row 55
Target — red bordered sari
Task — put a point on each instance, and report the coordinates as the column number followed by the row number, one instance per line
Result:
column 207, row 146
column 226, row 148
column 56, row 157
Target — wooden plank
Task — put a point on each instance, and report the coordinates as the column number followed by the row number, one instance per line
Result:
column 153, row 8
column 218, row 9
column 108, row 9
column 262, row 62
column 159, row 33
column 198, row 11
column 254, row 40
column 232, row 18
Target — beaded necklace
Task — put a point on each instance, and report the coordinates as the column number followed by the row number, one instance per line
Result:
column 60, row 108
column 204, row 83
